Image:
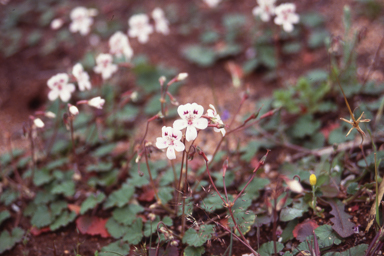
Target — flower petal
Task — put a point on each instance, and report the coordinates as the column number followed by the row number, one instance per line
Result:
column 161, row 143
column 178, row 134
column 182, row 109
column 197, row 110
column 171, row 153
column 178, row 145
column 180, row 124
column 53, row 94
column 200, row 123
column 65, row 96
column 191, row 132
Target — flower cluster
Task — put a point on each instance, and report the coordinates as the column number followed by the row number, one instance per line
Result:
column 60, row 87
column 104, row 65
column 119, row 45
column 192, row 119
column 161, row 23
column 82, row 77
column 285, row 13
column 81, row 20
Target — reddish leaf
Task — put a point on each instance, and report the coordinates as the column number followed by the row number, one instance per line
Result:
column 74, row 208
column 341, row 223
column 92, row 226
column 147, row 195
column 224, row 222
column 304, row 229
column 328, row 129
column 35, row 231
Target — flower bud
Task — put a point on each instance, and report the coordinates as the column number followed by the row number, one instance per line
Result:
column 174, row 243
column 182, row 76
column 151, row 216
column 162, row 80
column 38, row 123
column 50, row 114
column 96, row 102
column 312, row 180
column 56, row 24
column 294, row 186
column 73, row 110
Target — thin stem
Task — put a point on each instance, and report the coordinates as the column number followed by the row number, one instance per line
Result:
column 274, row 225
column 225, row 189
column 185, row 191
column 32, row 153
column 175, row 184
column 150, row 175
column 236, row 226
column 52, row 139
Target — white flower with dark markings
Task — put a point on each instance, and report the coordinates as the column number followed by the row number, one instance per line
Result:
column 216, row 119
column 119, row 45
column 82, row 77
column 60, row 87
column 139, row 27
column 81, row 20
column 105, row 67
column 191, row 119
column 286, row 16
column 171, row 140
column 265, row 10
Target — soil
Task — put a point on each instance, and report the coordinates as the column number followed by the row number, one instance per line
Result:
column 23, row 90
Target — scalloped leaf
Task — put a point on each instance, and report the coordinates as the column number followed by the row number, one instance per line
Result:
column 198, row 238
column 267, row 248
column 194, row 251
column 63, row 220
column 341, row 223
column 127, row 214
column 42, row 217
column 92, row 226
column 91, row 202
column 135, row 232
column 4, row 215
column 120, row 197
column 8, row 240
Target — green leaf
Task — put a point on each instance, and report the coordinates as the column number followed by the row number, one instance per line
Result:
column 317, row 75
column 198, row 238
column 42, row 177
column 91, row 202
column 57, row 207
column 288, row 214
column 254, row 187
column 352, row 188
column 267, row 249
column 9, row 196
column 229, row 178
column 244, row 219
column 117, row 247
column 150, row 226
column 165, row 194
column 305, row 125
column 288, row 231
column 43, row 197
column 316, row 38
column 7, row 240
column 291, row 48
column 354, row 251
column 127, row 114
column 212, row 203
column 252, row 148
column 100, row 167
column 66, row 188
column 135, row 232
column 63, row 220
column 202, row 56
column 4, row 215
column 120, row 197
column 194, row 251
column 115, row 229
column 312, row 19
column 57, row 163
column 327, row 237
column 42, row 217
column 127, row 214
column 104, row 150
column 209, row 37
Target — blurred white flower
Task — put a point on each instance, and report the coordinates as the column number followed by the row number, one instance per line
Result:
column 81, row 20
column 60, row 88
column 50, row 114
column 4, row 2
column 286, row 16
column 56, row 24
column 119, row 45
column 139, row 27
column 212, row 3
column 104, row 65
column 161, row 23
column 73, row 109
column 294, row 186
column 216, row 119
column 82, row 77
column 96, row 102
column 191, row 119
column 170, row 139
column 265, row 10
column 38, row 123
column 182, row 76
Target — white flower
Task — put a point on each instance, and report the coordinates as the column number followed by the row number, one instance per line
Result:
column 119, row 45
column 38, row 123
column 81, row 20
column 191, row 119
column 161, row 23
column 96, row 102
column 73, row 110
column 60, row 88
column 286, row 16
column 82, row 77
column 105, row 65
column 265, row 10
column 139, row 27
column 294, row 186
column 170, row 139
column 216, row 119
column 56, row 24
column 212, row 3
column 50, row 114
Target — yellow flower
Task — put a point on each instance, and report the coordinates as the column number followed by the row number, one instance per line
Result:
column 312, row 179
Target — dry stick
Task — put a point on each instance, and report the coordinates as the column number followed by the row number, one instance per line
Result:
column 373, row 62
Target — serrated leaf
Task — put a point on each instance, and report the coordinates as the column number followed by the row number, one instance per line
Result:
column 9, row 196
column 198, row 238
column 327, row 237
column 66, row 188
column 7, row 240
column 150, row 226
column 267, row 249
column 115, row 229
column 92, row 226
column 100, row 167
column 43, row 197
column 341, row 223
column 135, row 232
column 42, row 177
column 4, row 215
column 117, row 247
column 63, row 220
column 254, row 187
column 42, row 217
column 194, row 251
column 287, row 232
column 104, row 150
column 212, row 203
column 202, row 56
column 127, row 214
column 120, row 197
column 305, row 125
column 91, row 202
column 56, row 163
column 127, row 114
column 244, row 218
column 229, row 178
column 165, row 194
column 288, row 214
column 57, row 207
column 354, row 251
